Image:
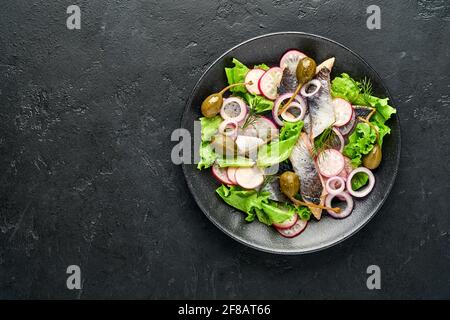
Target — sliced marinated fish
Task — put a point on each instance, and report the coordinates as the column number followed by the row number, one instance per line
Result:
column 288, row 82
column 320, row 107
column 311, row 187
column 273, row 187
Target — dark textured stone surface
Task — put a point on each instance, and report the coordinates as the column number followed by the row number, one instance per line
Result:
column 85, row 167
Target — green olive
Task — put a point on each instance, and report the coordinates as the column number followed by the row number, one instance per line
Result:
column 306, row 69
column 224, row 145
column 212, row 104
column 373, row 158
column 289, row 183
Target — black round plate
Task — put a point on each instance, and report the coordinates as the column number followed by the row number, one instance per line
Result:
column 328, row 231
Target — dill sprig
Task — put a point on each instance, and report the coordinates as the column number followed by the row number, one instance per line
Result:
column 252, row 116
column 366, row 89
column 323, row 141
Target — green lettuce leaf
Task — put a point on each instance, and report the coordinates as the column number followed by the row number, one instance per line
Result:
column 360, row 142
column 257, row 205
column 280, row 150
column 237, row 74
column 207, row 156
column 235, row 162
column 263, row 66
column 351, row 90
column 359, row 180
column 209, row 127
column 258, row 103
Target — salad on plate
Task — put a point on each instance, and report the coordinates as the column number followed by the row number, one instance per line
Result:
column 288, row 143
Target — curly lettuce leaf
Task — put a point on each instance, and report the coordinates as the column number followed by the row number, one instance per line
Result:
column 360, row 142
column 257, row 205
column 262, row 66
column 209, row 127
column 351, row 90
column 280, row 150
column 237, row 74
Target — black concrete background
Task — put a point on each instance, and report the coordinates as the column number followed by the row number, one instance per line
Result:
column 85, row 170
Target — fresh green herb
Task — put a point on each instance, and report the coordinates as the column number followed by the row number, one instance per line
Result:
column 359, row 180
column 323, row 141
column 237, row 161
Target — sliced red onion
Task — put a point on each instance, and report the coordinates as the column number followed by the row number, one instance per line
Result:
column 343, row 213
column 341, row 139
column 331, row 185
column 228, row 107
column 226, row 124
column 289, row 117
column 366, row 190
column 306, row 86
column 277, row 104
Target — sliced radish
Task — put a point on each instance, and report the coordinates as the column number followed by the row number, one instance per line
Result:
column 221, row 174
column 347, row 128
column 295, row 230
column 287, row 223
column 290, row 60
column 253, row 76
column 330, row 162
column 343, row 111
column 249, row 178
column 246, row 144
column 231, row 171
column 233, row 108
column 264, row 128
column 269, row 82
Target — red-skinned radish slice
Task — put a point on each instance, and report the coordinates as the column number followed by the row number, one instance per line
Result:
column 288, row 116
column 341, row 140
column 253, row 77
column 295, row 230
column 315, row 84
column 269, row 82
column 278, row 104
column 335, row 185
column 231, row 173
column 346, row 129
column 330, row 162
column 287, row 223
column 343, row 111
column 229, row 128
column 221, row 175
column 366, row 189
column 233, row 108
column 348, row 208
column 290, row 60
column 263, row 128
column 249, row 178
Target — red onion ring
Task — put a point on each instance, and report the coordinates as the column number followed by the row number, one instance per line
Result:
column 348, row 209
column 299, row 117
column 366, row 190
column 331, row 185
column 229, row 122
column 241, row 104
column 280, row 100
column 341, row 139
column 314, row 82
